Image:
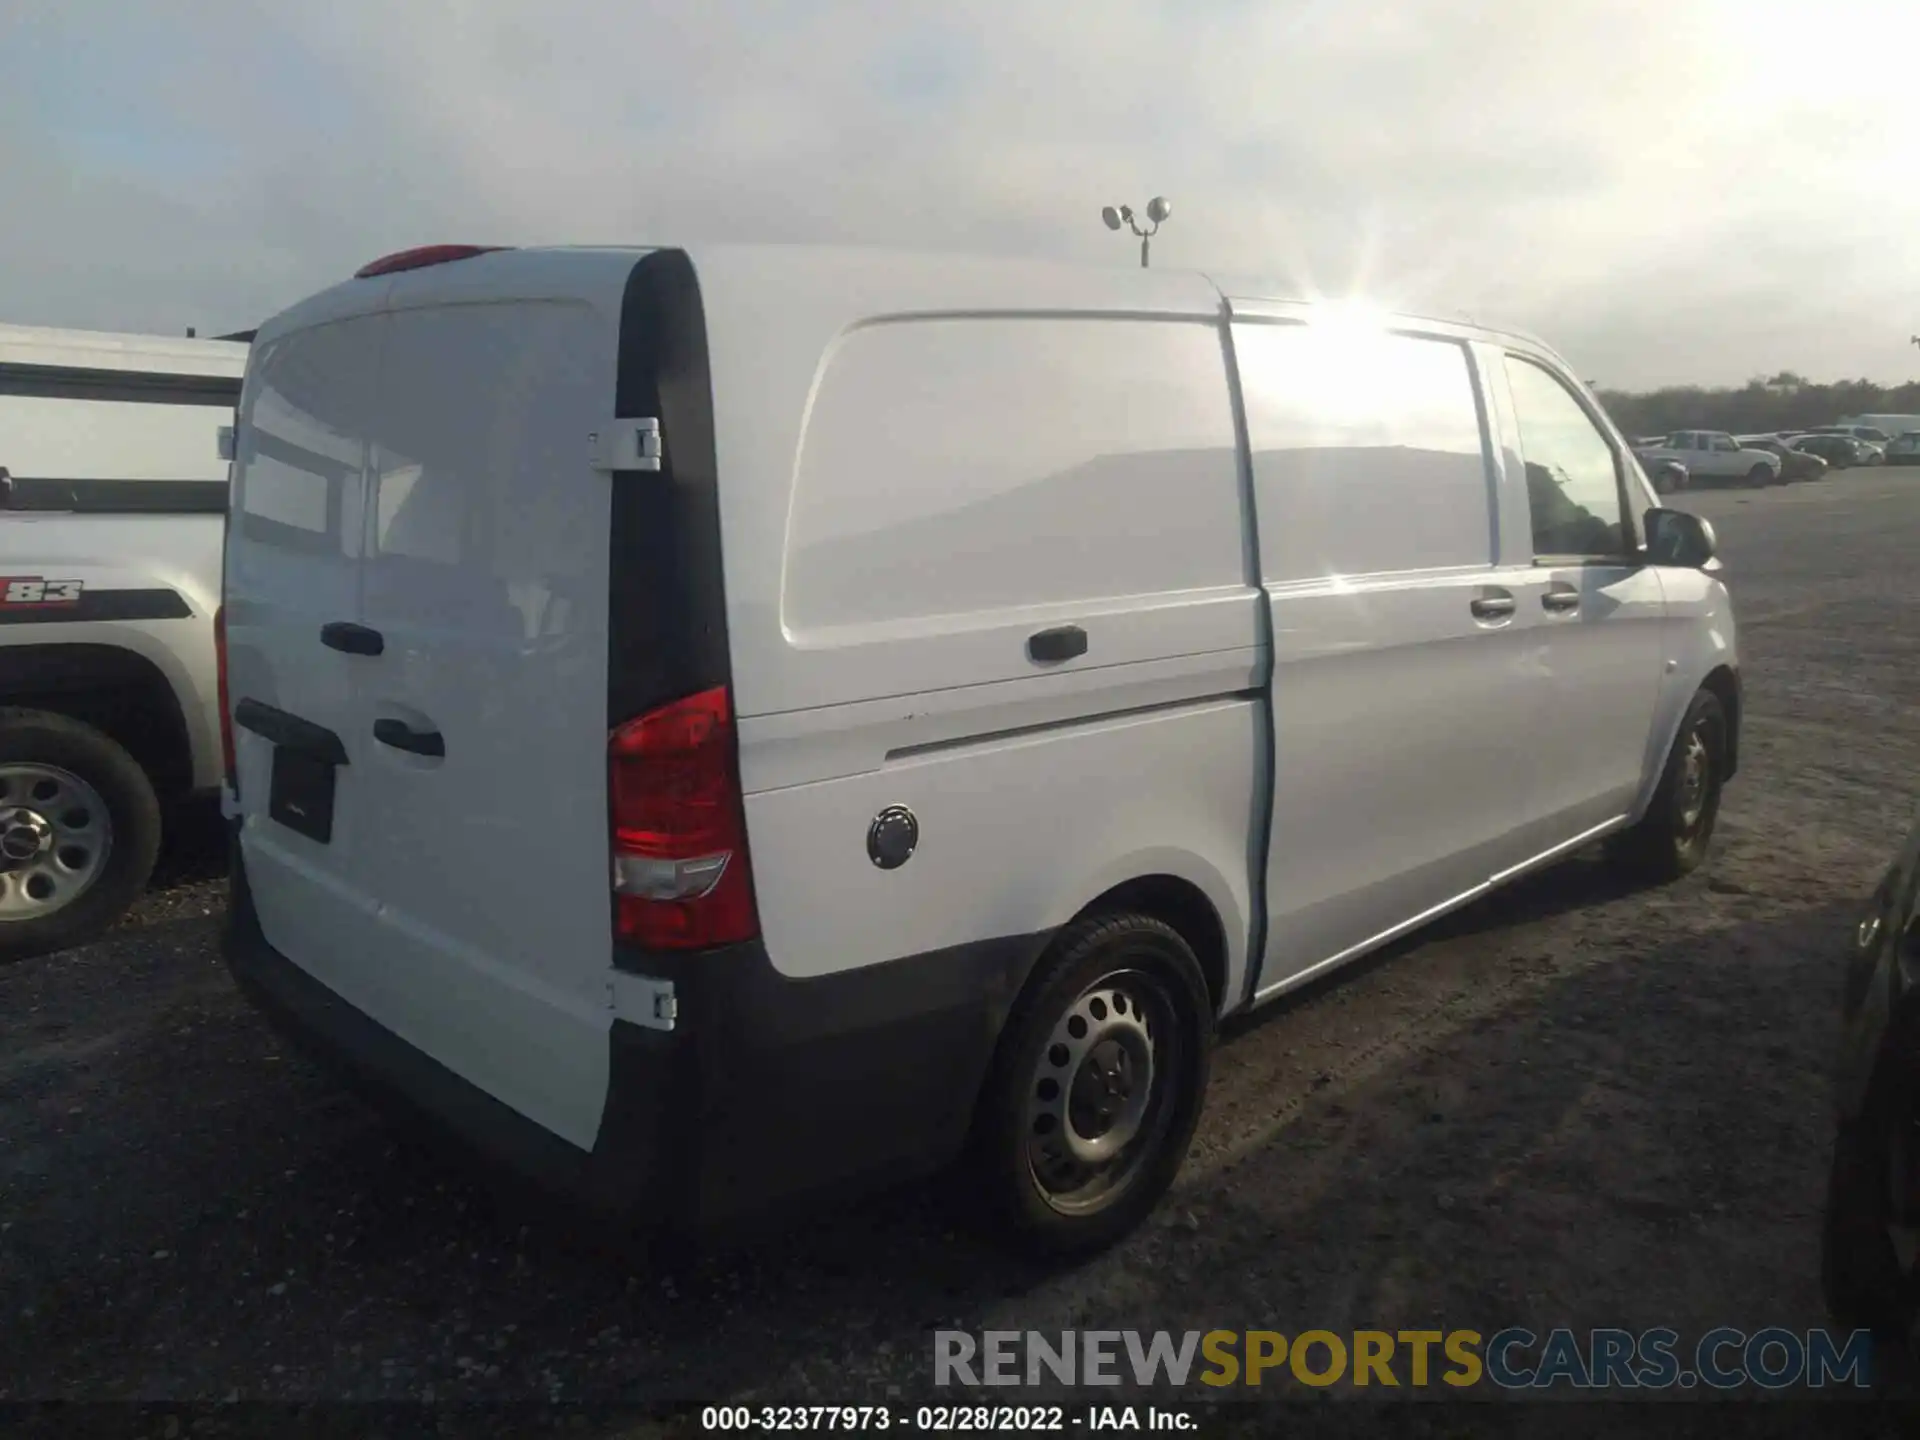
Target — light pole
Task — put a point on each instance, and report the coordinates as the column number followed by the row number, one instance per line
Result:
column 1157, row 211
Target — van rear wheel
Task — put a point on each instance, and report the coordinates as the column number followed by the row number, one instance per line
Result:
column 1096, row 1087
column 79, row 832
column 1673, row 837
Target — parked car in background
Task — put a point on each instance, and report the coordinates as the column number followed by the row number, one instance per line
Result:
column 1714, row 455
column 113, row 497
column 1870, row 434
column 1904, row 449
column 1794, row 464
column 1668, row 477
column 1873, row 1186
column 1840, row 451
column 1891, row 426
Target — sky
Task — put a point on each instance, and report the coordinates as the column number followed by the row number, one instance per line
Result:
column 1699, row 191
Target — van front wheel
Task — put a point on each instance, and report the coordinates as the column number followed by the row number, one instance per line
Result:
column 1096, row 1086
column 1672, row 839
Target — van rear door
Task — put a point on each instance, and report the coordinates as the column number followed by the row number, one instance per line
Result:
column 484, row 722
column 463, row 902
column 292, row 568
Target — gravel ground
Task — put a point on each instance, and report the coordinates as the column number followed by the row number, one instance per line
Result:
column 1568, row 1106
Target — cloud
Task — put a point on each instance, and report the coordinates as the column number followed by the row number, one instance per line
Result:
column 1699, row 191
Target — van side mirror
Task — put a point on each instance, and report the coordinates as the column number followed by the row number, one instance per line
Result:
column 1679, row 539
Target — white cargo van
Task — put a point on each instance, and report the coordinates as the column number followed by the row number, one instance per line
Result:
column 722, row 726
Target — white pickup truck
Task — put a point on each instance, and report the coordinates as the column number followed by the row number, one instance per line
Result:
column 1713, row 456
column 113, row 501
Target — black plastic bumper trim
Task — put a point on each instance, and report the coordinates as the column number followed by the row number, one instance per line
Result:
column 770, row 1097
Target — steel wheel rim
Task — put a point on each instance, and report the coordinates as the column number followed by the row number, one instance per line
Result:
column 1695, row 778
column 1098, row 1098
column 56, row 836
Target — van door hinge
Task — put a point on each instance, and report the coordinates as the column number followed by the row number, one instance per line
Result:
column 643, row 1000
column 625, row 445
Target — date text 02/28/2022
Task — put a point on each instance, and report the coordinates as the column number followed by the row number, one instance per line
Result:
column 938, row 1419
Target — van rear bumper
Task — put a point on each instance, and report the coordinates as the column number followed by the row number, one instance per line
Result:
column 770, row 1095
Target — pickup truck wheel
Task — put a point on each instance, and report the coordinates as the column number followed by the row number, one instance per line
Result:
column 79, row 832
column 1671, row 840
column 1761, row 475
column 1096, row 1086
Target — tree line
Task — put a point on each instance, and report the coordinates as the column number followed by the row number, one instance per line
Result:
column 1785, row 402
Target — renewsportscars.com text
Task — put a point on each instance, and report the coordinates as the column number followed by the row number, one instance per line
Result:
column 1512, row 1359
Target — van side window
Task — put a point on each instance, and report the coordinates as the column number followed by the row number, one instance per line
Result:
column 109, row 449
column 966, row 466
column 1368, row 455
column 1573, row 477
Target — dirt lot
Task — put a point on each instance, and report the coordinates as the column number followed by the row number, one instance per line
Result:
column 1570, row 1107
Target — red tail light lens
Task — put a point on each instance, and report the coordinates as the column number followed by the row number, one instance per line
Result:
column 681, row 880
column 421, row 257
column 226, row 707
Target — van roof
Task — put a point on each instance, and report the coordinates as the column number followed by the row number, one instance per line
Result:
column 1264, row 289
column 46, row 346
column 868, row 279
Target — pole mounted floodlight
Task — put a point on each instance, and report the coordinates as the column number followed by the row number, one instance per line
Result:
column 1157, row 211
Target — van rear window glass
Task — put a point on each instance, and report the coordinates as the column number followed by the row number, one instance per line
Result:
column 303, row 440
column 961, row 466
column 1368, row 456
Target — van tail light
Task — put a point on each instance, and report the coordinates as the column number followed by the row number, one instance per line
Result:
column 226, row 708
column 681, row 880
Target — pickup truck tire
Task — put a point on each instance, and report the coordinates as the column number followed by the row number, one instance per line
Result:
column 1672, row 838
column 79, row 832
column 1761, row 475
column 1110, row 1042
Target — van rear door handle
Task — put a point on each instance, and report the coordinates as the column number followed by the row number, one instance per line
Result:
column 1561, row 601
column 402, row 736
column 1064, row 642
column 1491, row 607
column 354, row 639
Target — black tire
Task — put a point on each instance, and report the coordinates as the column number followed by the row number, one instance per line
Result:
column 1672, row 838
column 1154, row 972
column 1862, row 1280
column 1761, row 475
column 34, row 738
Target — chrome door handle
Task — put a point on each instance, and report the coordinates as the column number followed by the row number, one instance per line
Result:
column 1561, row 602
column 1491, row 607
